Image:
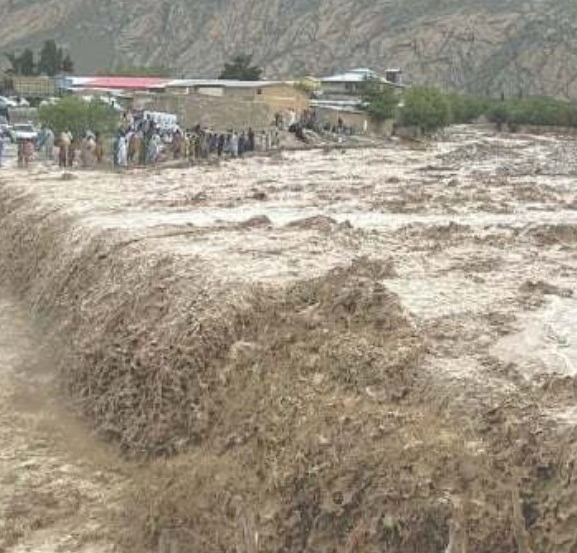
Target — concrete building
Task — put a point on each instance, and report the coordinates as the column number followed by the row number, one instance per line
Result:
column 351, row 82
column 276, row 95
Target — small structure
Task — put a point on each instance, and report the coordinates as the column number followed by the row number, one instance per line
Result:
column 276, row 95
column 341, row 101
column 33, row 87
column 351, row 82
column 112, row 84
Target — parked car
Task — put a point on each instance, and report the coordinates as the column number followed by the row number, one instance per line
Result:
column 6, row 131
column 19, row 101
column 7, row 102
column 24, row 131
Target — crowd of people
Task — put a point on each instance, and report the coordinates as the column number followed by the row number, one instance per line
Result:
column 143, row 142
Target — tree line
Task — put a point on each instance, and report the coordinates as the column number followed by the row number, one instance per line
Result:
column 429, row 109
column 51, row 60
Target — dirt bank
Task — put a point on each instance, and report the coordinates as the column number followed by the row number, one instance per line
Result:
column 324, row 345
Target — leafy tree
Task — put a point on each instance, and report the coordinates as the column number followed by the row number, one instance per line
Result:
column 78, row 115
column 241, row 69
column 379, row 101
column 50, row 62
column 499, row 112
column 27, row 63
column 307, row 86
column 14, row 62
column 22, row 64
column 67, row 64
column 425, row 108
column 466, row 109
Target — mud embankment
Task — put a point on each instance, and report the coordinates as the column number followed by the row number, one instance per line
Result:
column 271, row 390
column 276, row 394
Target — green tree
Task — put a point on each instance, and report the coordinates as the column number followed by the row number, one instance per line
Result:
column 78, row 115
column 22, row 64
column 425, row 108
column 14, row 62
column 67, row 65
column 379, row 101
column 50, row 61
column 27, row 63
column 241, row 69
column 466, row 109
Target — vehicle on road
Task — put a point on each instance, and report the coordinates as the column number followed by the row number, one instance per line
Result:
column 23, row 131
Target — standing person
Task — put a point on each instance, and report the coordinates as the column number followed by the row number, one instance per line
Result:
column 234, row 144
column 250, row 137
column 64, row 146
column 27, row 152
column 153, row 148
column 122, row 151
column 177, row 144
column 1, row 147
column 20, row 153
column 221, row 141
column 49, row 144
column 98, row 148
column 71, row 152
column 241, row 144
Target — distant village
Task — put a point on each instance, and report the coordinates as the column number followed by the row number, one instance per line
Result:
column 220, row 103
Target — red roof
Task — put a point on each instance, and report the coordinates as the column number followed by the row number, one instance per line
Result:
column 126, row 83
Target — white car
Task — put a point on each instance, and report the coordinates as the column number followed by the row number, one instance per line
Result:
column 6, row 131
column 19, row 101
column 7, row 102
column 24, row 131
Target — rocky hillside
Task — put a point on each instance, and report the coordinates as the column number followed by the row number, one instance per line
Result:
column 475, row 45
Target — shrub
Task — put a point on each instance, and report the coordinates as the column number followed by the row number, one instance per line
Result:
column 78, row 115
column 466, row 109
column 379, row 101
column 425, row 108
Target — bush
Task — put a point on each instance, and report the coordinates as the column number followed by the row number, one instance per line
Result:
column 466, row 109
column 379, row 101
column 425, row 108
column 77, row 115
column 535, row 110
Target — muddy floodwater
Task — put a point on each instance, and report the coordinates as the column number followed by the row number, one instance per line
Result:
column 479, row 234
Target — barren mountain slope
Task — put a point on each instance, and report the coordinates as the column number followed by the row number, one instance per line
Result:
column 481, row 46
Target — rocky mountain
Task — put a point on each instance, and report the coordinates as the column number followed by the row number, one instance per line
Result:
column 481, row 46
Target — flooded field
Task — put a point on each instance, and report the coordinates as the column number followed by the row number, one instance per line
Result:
column 336, row 350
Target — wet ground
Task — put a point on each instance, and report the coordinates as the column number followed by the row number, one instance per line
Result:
column 58, row 485
column 481, row 227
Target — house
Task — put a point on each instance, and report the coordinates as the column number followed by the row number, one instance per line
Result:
column 351, row 82
column 341, row 98
column 276, row 95
column 68, row 84
column 33, row 87
column 223, row 104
